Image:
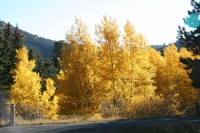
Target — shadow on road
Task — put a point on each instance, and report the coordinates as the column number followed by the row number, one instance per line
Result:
column 178, row 125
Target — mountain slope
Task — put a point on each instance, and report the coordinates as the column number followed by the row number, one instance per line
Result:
column 43, row 45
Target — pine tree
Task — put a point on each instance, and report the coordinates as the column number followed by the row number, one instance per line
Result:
column 191, row 39
column 45, row 67
column 8, row 35
column 57, row 54
column 1, row 49
column 18, row 39
column 33, row 54
column 17, row 43
column 11, row 42
column 6, row 63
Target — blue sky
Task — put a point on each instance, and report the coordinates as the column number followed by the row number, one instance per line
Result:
column 158, row 20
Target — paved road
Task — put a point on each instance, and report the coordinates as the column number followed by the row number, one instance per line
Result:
column 131, row 126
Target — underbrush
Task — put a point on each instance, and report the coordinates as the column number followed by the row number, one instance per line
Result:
column 3, row 123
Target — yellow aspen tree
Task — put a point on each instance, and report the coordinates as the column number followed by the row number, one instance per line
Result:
column 139, row 80
column 112, row 58
column 169, row 106
column 79, row 83
column 184, row 53
column 160, row 64
column 50, row 100
column 25, row 92
column 172, row 80
column 179, row 81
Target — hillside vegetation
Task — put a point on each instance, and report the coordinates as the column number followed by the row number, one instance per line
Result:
column 43, row 45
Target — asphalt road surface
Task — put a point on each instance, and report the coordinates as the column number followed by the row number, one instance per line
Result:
column 129, row 126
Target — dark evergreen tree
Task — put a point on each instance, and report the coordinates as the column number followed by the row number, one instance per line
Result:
column 17, row 43
column 43, row 45
column 191, row 39
column 45, row 67
column 8, row 35
column 5, row 55
column 10, row 42
column 33, row 54
column 57, row 54
column 1, row 52
column 18, row 38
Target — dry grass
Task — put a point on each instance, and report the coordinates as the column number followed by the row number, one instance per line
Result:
column 64, row 120
column 3, row 123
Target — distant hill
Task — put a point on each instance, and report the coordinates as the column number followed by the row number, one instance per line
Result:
column 178, row 44
column 159, row 47
column 43, row 45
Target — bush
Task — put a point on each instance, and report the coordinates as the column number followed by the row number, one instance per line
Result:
column 28, row 111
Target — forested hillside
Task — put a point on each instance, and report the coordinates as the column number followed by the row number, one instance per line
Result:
column 43, row 45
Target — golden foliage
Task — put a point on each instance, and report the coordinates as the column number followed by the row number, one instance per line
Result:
column 50, row 100
column 80, row 88
column 27, row 83
column 138, row 80
column 120, row 75
column 172, row 80
column 112, row 58
column 26, row 90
